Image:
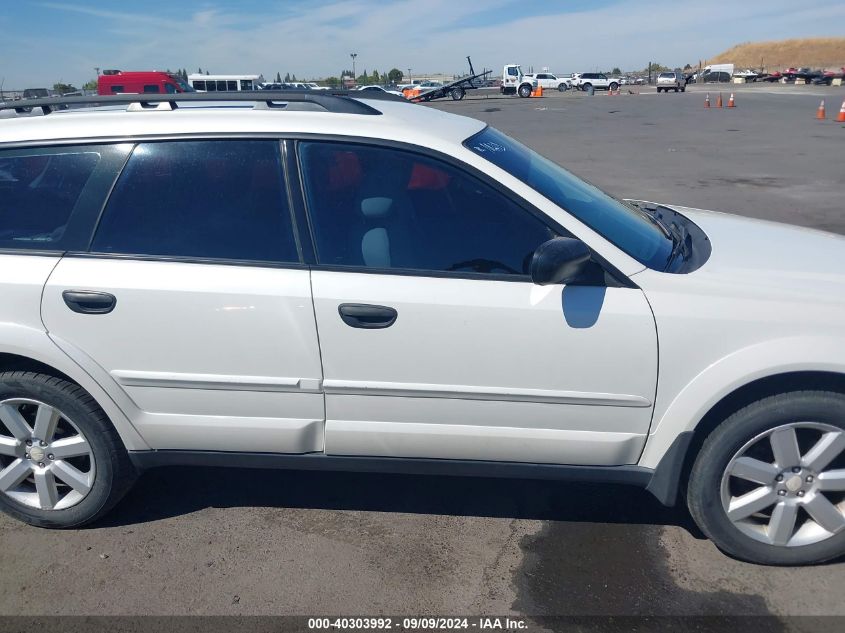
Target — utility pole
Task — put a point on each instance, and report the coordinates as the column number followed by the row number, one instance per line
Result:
column 409, row 76
column 354, row 74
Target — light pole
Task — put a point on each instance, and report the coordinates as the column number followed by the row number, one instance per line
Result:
column 97, row 70
column 354, row 75
column 409, row 76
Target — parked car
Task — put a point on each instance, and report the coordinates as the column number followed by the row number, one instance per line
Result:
column 315, row 86
column 597, row 81
column 549, row 81
column 672, row 80
column 379, row 89
column 154, row 271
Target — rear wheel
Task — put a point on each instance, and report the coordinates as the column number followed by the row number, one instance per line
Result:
column 769, row 483
column 62, row 463
column 562, row 87
column 457, row 93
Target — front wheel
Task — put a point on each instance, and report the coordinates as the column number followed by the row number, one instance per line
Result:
column 525, row 91
column 562, row 88
column 614, row 87
column 62, row 463
column 768, row 485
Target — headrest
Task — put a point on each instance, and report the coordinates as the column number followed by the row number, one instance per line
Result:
column 374, row 208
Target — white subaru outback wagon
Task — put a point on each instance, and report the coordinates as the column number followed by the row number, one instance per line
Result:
column 346, row 282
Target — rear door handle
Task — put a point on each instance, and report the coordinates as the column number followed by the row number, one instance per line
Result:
column 89, row 302
column 367, row 317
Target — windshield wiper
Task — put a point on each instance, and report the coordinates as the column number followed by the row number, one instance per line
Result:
column 654, row 219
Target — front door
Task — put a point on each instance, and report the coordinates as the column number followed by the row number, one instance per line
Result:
column 435, row 343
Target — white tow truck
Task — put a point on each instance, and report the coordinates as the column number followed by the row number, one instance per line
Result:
column 515, row 82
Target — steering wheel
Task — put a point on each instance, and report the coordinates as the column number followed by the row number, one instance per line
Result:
column 483, row 266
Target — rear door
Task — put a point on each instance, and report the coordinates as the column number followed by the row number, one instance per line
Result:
column 193, row 304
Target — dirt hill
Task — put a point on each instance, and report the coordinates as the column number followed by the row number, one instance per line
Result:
column 816, row 52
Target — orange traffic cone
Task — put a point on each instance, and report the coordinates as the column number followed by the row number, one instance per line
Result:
column 731, row 102
column 539, row 90
column 719, row 101
column 841, row 117
column 820, row 114
column 707, row 101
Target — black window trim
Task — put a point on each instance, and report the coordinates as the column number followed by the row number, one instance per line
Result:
column 616, row 278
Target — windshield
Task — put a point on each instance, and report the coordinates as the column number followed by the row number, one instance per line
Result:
column 622, row 225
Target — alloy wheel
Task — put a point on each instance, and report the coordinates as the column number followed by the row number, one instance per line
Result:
column 45, row 460
column 786, row 486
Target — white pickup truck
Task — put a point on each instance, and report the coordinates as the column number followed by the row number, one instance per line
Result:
column 598, row 81
column 548, row 81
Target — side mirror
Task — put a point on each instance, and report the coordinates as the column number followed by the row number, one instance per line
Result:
column 559, row 261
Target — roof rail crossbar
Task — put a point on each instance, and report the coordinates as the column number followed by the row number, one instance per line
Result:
column 337, row 101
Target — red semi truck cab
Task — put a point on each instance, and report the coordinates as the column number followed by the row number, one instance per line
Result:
column 113, row 82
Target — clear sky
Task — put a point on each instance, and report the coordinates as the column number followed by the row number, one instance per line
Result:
column 42, row 42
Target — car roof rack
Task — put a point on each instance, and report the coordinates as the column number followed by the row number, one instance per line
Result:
column 336, row 101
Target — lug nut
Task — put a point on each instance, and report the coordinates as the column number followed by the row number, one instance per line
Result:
column 43, row 443
column 41, row 464
column 796, row 469
column 801, row 493
column 27, row 456
column 779, row 478
column 50, row 456
column 29, row 442
column 809, row 479
column 782, row 493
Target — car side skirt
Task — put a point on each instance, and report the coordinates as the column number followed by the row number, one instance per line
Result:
column 661, row 483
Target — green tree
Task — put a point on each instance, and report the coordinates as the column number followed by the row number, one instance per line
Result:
column 63, row 88
column 333, row 82
column 278, row 78
column 293, row 77
column 90, row 85
column 199, row 71
column 363, row 79
column 687, row 67
column 616, row 71
column 395, row 76
column 376, row 77
column 287, row 78
column 656, row 68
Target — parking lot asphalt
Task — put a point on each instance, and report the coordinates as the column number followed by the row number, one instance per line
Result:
column 237, row 542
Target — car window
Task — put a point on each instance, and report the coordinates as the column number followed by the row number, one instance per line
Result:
column 151, row 88
column 43, row 190
column 385, row 208
column 617, row 222
column 205, row 199
column 512, row 72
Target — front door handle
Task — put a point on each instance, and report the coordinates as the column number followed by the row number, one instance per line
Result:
column 367, row 317
column 89, row 302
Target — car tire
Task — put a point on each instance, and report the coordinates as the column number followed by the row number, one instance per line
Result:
column 614, row 86
column 684, row 89
column 82, row 465
column 801, row 525
column 562, row 88
column 525, row 91
column 659, row 90
column 586, row 87
column 457, row 94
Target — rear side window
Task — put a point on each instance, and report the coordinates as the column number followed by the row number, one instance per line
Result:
column 43, row 191
column 200, row 199
column 151, row 88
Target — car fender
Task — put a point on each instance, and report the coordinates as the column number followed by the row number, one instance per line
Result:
column 37, row 345
column 720, row 379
